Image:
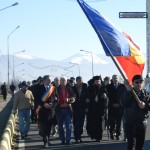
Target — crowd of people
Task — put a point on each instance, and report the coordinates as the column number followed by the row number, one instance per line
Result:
column 71, row 103
column 4, row 90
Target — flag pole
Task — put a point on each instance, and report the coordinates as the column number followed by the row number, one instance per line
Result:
column 121, row 72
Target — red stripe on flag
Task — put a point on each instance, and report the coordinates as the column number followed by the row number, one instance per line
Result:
column 130, row 66
column 129, row 38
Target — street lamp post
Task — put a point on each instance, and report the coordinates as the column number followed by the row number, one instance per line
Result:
column 91, row 58
column 16, row 72
column 14, row 64
column 9, row 6
column 8, row 48
column 76, row 64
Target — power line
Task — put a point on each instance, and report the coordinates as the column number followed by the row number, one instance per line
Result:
column 38, row 67
column 32, row 76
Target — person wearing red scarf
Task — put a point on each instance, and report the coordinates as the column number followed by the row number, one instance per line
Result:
column 66, row 97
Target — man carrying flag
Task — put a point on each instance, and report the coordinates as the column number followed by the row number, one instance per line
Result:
column 47, row 102
column 135, row 114
column 127, row 54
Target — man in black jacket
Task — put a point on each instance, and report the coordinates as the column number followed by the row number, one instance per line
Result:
column 45, row 113
column 135, row 113
column 115, row 111
column 12, row 88
column 79, row 107
column 4, row 91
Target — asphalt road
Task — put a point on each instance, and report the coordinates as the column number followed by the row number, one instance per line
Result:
column 34, row 142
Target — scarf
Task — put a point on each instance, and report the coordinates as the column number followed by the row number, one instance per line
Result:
column 63, row 94
column 45, row 97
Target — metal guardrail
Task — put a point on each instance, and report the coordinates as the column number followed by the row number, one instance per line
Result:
column 6, row 141
column 8, row 134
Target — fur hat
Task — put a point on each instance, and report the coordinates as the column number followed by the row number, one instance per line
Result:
column 96, row 78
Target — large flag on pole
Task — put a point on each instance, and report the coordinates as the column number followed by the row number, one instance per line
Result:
column 114, row 41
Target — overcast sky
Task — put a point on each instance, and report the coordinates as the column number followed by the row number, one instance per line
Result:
column 57, row 29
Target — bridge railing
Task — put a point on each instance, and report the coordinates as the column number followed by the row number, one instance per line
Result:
column 8, row 134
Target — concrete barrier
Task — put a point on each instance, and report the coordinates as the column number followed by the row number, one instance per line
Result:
column 7, row 137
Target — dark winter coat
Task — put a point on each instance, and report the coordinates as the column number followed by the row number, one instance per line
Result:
column 132, row 112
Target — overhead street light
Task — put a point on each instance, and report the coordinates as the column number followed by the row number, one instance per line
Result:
column 15, row 4
column 9, row 6
column 8, row 48
column 133, row 15
column 14, row 63
column 77, row 65
column 91, row 58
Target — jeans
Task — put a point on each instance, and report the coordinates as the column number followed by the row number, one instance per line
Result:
column 64, row 116
column 24, row 121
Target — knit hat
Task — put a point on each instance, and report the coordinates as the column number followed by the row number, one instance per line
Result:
column 24, row 84
column 137, row 77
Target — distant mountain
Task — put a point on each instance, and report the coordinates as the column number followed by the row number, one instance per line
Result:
column 72, row 66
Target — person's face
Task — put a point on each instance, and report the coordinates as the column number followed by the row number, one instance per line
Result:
column 41, row 82
column 72, row 84
column 63, row 82
column 57, row 82
column 47, row 81
column 24, row 88
column 115, row 79
column 29, row 83
column 107, row 82
column 97, row 82
column 138, row 84
column 79, row 82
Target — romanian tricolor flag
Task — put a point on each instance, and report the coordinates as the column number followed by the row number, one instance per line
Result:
column 118, row 43
column 45, row 97
column 131, row 65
